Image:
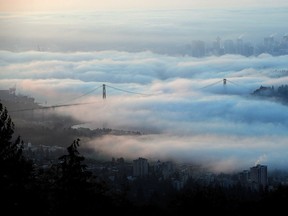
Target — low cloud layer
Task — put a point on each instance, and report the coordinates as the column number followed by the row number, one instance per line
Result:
column 180, row 104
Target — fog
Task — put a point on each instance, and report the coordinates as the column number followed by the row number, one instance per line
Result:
column 178, row 102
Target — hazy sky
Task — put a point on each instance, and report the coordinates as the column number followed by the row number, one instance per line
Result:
column 48, row 5
column 56, row 56
column 136, row 30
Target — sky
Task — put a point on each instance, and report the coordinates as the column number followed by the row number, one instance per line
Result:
column 57, row 52
column 61, row 5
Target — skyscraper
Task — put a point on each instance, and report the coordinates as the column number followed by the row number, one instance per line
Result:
column 258, row 175
column 140, row 167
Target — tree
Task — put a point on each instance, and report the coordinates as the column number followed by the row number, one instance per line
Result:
column 75, row 188
column 15, row 169
column 72, row 172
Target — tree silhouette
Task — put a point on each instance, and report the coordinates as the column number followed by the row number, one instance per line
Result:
column 75, row 189
column 16, row 172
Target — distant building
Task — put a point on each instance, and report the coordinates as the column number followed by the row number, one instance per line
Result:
column 198, row 48
column 10, row 95
column 7, row 94
column 244, row 177
column 217, row 49
column 140, row 167
column 229, row 47
column 269, row 44
column 258, row 175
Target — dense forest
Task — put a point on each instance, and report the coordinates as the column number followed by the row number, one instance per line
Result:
column 280, row 93
column 68, row 187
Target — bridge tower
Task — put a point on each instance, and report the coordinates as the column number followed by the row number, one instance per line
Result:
column 104, row 91
column 225, row 86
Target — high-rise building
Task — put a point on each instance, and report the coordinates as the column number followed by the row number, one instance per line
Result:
column 217, row 48
column 258, row 175
column 229, row 47
column 244, row 177
column 198, row 48
column 140, row 167
column 269, row 44
column 239, row 46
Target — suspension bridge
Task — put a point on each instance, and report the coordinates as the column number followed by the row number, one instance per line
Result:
column 104, row 95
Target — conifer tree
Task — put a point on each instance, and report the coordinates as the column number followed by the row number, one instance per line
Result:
column 15, row 169
column 75, row 187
